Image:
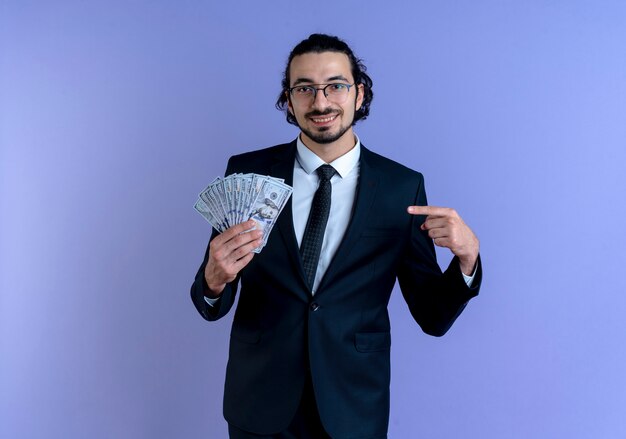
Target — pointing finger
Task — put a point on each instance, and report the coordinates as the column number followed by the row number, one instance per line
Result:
column 430, row 210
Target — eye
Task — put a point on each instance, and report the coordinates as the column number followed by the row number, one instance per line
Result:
column 303, row 90
column 337, row 87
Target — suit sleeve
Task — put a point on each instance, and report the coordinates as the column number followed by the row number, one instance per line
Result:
column 200, row 287
column 435, row 299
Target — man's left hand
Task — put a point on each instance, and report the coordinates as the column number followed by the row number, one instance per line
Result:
column 447, row 229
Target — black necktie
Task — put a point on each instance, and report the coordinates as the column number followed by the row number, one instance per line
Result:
column 316, row 224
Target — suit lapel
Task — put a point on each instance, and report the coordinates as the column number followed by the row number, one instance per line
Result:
column 366, row 193
column 283, row 168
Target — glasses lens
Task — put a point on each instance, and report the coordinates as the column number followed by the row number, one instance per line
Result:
column 303, row 94
column 337, row 92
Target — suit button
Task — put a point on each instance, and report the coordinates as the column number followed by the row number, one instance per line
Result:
column 314, row 306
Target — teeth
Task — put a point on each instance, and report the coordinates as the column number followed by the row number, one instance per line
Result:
column 326, row 119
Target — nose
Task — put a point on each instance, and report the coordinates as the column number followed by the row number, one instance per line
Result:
column 320, row 100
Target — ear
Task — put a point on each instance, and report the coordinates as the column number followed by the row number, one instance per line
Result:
column 289, row 105
column 359, row 96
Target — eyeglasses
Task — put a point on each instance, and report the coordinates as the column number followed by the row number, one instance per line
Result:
column 305, row 94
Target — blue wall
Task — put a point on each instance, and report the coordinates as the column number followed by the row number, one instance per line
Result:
column 114, row 115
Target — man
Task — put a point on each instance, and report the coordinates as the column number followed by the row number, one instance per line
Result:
column 309, row 348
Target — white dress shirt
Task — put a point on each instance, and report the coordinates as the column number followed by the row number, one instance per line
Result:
column 344, row 183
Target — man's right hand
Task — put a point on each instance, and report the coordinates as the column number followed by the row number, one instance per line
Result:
column 229, row 252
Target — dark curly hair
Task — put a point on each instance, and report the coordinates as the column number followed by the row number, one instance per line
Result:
column 318, row 43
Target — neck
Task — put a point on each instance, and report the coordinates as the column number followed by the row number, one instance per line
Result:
column 330, row 151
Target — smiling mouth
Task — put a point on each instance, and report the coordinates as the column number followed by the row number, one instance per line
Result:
column 323, row 120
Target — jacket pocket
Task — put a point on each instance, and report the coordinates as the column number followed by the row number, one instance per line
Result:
column 372, row 341
column 245, row 335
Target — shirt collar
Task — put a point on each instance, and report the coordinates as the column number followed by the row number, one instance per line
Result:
column 343, row 165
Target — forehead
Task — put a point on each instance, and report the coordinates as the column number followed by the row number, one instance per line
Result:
column 320, row 67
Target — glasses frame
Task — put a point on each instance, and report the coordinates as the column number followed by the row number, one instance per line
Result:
column 316, row 89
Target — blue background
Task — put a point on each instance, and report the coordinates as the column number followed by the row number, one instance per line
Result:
column 114, row 115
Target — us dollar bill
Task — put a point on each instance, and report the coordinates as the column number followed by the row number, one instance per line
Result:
column 237, row 198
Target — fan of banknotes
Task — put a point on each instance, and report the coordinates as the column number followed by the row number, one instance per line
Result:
column 239, row 197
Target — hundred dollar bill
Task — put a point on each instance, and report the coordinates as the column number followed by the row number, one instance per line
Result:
column 211, row 199
column 268, row 204
column 204, row 210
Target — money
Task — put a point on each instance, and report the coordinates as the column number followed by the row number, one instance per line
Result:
column 237, row 198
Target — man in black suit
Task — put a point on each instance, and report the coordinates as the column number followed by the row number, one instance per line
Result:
column 309, row 348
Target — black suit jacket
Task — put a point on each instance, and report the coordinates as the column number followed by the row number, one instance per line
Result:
column 342, row 334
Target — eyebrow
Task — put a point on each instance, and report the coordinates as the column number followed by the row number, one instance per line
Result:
column 310, row 81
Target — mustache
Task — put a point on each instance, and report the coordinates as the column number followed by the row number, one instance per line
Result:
column 326, row 112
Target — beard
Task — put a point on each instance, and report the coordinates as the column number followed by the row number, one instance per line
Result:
column 323, row 135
